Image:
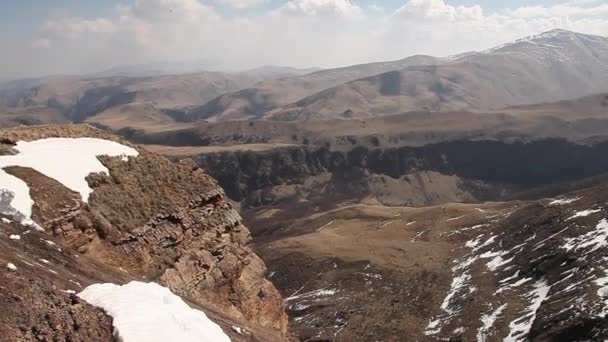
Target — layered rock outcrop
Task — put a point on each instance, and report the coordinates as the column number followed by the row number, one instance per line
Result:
column 451, row 171
column 156, row 221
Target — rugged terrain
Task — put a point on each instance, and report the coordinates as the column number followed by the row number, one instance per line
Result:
column 426, row 199
column 515, row 271
column 554, row 66
column 370, row 240
column 412, row 159
column 252, row 103
column 579, row 120
column 367, row 232
column 149, row 220
column 76, row 99
column 548, row 67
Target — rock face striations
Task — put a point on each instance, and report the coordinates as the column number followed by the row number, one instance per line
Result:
column 149, row 220
column 450, row 171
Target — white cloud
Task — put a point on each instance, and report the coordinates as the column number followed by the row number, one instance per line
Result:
column 424, row 10
column 166, row 24
column 74, row 27
column 376, row 8
column 573, row 9
column 298, row 32
column 168, row 11
column 41, row 43
column 339, row 8
column 240, row 4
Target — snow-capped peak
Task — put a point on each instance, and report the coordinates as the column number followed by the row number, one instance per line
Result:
column 552, row 39
column 553, row 35
column 553, row 44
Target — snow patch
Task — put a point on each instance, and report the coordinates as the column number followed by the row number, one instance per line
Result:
column 5, row 220
column 419, row 235
column 594, row 239
column 74, row 282
column 564, row 201
column 372, row 275
column 458, row 287
column 313, row 294
column 583, row 213
column 472, row 244
column 50, row 157
column 458, row 231
column 11, row 266
column 602, row 292
column 520, row 327
column 455, row 218
column 508, row 279
column 384, row 225
column 15, row 237
column 462, row 286
column 326, row 225
column 488, row 322
column 459, row 283
column 476, row 243
column 507, row 286
column 150, row 312
column 498, row 261
column 433, row 327
column 49, row 242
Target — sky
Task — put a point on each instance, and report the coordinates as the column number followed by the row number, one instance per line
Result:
column 55, row 37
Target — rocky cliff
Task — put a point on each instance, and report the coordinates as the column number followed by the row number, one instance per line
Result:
column 451, row 171
column 148, row 219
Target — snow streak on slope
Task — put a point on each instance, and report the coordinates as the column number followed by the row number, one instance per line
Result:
column 583, row 213
column 602, row 292
column 537, row 274
column 564, row 201
column 594, row 239
column 521, row 326
column 67, row 160
column 148, row 312
column 488, row 323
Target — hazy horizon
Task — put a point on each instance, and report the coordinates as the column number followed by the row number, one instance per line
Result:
column 70, row 38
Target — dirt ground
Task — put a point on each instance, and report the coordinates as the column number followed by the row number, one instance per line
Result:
column 366, row 272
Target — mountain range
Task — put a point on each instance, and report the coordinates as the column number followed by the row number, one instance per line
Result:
column 462, row 198
column 548, row 67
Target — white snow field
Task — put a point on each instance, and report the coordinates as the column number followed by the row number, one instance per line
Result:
column 148, row 312
column 67, row 160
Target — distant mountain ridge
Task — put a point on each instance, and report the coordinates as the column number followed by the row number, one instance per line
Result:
column 552, row 66
column 548, row 67
column 254, row 102
column 81, row 97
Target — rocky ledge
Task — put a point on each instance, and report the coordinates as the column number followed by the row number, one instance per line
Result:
column 149, row 220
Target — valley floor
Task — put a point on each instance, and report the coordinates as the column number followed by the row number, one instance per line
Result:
column 457, row 272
